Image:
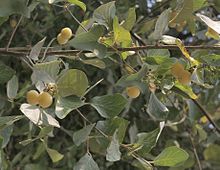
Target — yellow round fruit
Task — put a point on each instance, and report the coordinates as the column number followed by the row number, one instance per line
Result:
column 177, row 70
column 13, row 23
column 133, row 91
column 204, row 120
column 32, row 97
column 61, row 40
column 66, row 33
column 185, row 77
column 45, row 99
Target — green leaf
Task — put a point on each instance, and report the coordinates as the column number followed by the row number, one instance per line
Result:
column 130, row 20
column 212, row 59
column 38, row 116
column 121, row 35
column 3, row 19
column 109, row 106
column 211, row 153
column 46, row 72
column 186, row 15
column 72, row 82
column 12, row 87
column 6, row 73
column 95, row 62
column 6, row 133
column 156, row 108
column 113, row 151
column 171, row 156
column 161, row 25
column 81, row 135
column 186, row 90
column 78, row 3
column 65, row 105
column 54, row 155
column 142, row 164
column 89, row 41
column 9, row 120
column 13, row 7
column 36, row 49
column 110, row 126
column 86, row 163
column 104, row 14
column 146, row 141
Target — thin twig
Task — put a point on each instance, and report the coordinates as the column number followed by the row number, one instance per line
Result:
column 100, row 131
column 195, row 153
column 206, row 114
column 84, row 28
column 13, row 33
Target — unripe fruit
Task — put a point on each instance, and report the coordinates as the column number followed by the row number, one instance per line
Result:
column 185, row 77
column 32, row 97
column 61, row 40
column 45, row 99
column 133, row 91
column 177, row 70
column 66, row 33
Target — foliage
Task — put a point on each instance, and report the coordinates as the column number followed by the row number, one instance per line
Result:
column 170, row 122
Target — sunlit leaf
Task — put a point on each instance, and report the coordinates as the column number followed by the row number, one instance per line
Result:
column 36, row 49
column 12, row 87
column 113, row 151
column 171, row 156
column 72, row 82
column 54, row 155
column 130, row 20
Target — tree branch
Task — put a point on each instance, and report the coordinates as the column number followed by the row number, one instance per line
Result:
column 22, row 51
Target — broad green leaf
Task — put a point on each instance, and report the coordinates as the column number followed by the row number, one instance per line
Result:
column 161, row 25
column 211, row 153
column 113, row 150
column 72, row 82
column 54, row 155
column 95, row 62
column 12, row 87
column 65, row 105
column 156, row 108
column 81, row 135
column 110, row 126
column 146, row 141
column 6, row 133
column 44, row 131
column 109, row 106
column 187, row 90
column 36, row 49
column 171, row 156
column 201, row 133
column 13, row 7
column 6, row 73
column 89, row 41
column 38, row 116
column 186, row 15
column 158, row 52
column 86, row 163
column 212, row 59
column 3, row 19
column 214, row 25
column 78, row 3
column 130, row 20
column 121, row 35
column 46, row 72
column 104, row 14
column 9, row 120
column 197, row 4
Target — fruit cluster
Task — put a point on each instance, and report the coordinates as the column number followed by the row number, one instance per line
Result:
column 182, row 75
column 64, row 36
column 44, row 99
